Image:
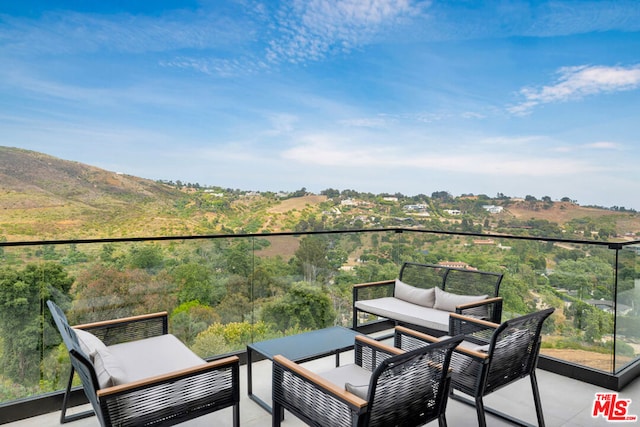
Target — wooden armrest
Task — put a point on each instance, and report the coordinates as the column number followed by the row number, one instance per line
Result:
column 370, row 342
column 479, row 303
column 322, row 383
column 421, row 336
column 380, row 283
column 175, row 375
column 130, row 319
column 474, row 320
column 472, row 353
column 428, row 338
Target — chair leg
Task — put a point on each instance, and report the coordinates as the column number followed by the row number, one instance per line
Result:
column 236, row 415
column 536, row 398
column 276, row 415
column 442, row 421
column 482, row 421
column 65, row 401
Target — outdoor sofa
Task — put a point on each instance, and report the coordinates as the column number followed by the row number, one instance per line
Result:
column 423, row 296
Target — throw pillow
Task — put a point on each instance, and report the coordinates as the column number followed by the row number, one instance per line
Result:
column 448, row 302
column 423, row 297
column 89, row 343
column 359, row 390
column 108, row 369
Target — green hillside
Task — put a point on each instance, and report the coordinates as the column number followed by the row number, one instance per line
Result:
column 43, row 197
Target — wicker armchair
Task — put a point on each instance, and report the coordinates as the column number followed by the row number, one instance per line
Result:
column 490, row 357
column 395, row 388
column 191, row 390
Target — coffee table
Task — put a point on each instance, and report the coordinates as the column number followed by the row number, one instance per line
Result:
column 300, row 348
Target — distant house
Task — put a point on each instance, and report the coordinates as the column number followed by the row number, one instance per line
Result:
column 484, row 242
column 456, row 264
column 493, row 209
column 453, row 211
column 390, row 199
column 419, row 209
column 609, row 306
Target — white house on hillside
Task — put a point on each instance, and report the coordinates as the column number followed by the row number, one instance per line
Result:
column 493, row 208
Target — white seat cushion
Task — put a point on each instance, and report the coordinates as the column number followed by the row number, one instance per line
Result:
column 152, row 357
column 355, row 379
column 350, row 373
column 403, row 311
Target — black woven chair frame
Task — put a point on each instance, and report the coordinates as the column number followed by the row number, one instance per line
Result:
column 512, row 354
column 128, row 329
column 398, row 391
column 162, row 401
column 454, row 280
column 174, row 400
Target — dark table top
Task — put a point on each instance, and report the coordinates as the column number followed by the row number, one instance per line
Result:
column 308, row 345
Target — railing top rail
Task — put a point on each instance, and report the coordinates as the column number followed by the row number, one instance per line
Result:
column 611, row 245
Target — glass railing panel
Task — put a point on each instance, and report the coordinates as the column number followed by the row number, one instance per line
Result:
column 575, row 278
column 30, row 361
column 304, row 282
column 627, row 309
column 224, row 292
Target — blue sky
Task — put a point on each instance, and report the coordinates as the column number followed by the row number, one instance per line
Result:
column 521, row 98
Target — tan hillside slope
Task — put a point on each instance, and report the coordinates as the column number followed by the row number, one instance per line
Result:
column 43, row 197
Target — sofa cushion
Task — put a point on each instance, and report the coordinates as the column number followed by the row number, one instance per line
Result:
column 423, row 297
column 403, row 311
column 448, row 302
column 151, row 357
column 89, row 343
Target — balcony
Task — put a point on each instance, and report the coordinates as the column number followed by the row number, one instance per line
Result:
column 244, row 281
column 566, row 402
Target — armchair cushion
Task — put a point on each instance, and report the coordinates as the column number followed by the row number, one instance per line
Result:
column 89, row 343
column 354, row 377
column 448, row 302
column 359, row 390
column 423, row 297
column 153, row 356
column 108, row 369
column 136, row 360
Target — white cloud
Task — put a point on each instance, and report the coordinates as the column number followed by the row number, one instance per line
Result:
column 331, row 151
column 604, row 145
column 577, row 82
column 368, row 122
column 308, row 30
column 281, row 123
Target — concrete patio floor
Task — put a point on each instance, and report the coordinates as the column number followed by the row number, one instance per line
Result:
column 565, row 402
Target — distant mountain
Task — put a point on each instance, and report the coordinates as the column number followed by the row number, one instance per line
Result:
column 63, row 181
column 45, row 197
